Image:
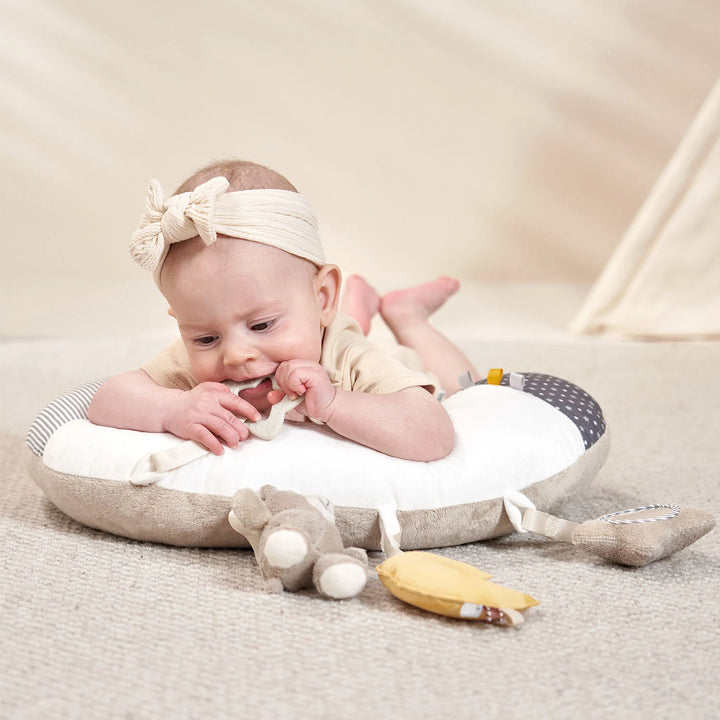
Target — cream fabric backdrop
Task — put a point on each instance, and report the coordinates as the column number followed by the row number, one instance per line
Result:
column 664, row 278
column 508, row 141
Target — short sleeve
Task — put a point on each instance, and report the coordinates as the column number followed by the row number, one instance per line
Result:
column 170, row 368
column 355, row 363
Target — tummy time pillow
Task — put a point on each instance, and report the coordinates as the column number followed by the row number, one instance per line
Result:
column 528, row 433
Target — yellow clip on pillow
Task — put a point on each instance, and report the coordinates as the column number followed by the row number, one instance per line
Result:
column 495, row 376
column 452, row 588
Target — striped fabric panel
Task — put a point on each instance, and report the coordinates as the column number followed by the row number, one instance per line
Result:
column 72, row 406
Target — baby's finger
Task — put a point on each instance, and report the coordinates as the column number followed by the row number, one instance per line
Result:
column 229, row 429
column 201, row 434
column 221, row 387
column 292, row 384
column 275, row 396
column 240, row 407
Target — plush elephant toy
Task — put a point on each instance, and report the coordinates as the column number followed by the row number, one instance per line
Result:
column 296, row 543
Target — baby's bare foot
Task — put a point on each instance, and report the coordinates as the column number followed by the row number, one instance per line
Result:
column 417, row 303
column 360, row 301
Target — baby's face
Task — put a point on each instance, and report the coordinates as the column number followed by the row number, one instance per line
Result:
column 243, row 308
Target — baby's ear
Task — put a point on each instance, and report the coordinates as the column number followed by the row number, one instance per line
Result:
column 327, row 288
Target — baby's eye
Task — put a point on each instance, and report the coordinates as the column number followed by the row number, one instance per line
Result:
column 205, row 340
column 259, row 327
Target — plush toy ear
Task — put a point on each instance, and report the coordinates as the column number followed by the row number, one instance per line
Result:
column 248, row 516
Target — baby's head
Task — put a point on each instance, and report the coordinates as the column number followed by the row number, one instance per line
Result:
column 236, row 253
column 241, row 174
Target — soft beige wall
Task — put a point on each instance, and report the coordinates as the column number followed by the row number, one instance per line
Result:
column 490, row 140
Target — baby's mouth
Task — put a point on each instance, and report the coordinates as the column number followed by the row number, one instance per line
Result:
column 255, row 392
column 252, row 390
column 260, row 390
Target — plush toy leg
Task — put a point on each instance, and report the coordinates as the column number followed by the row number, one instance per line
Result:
column 641, row 541
column 249, row 515
column 631, row 537
column 341, row 576
column 273, row 585
column 296, row 543
column 285, row 548
column 451, row 588
column 287, row 554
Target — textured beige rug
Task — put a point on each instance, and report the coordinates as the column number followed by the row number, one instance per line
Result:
column 95, row 626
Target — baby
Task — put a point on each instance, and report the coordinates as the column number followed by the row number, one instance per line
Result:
column 237, row 255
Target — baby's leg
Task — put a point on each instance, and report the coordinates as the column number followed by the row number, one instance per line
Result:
column 407, row 313
column 360, row 301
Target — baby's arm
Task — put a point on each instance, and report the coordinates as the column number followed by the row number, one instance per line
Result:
column 409, row 424
column 207, row 414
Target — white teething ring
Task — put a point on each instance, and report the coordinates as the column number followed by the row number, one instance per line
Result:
column 268, row 427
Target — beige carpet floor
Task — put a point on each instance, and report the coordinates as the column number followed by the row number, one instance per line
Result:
column 95, row 626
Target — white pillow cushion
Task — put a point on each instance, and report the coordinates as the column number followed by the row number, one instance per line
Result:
column 506, row 440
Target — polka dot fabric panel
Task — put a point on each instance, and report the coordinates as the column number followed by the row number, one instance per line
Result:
column 568, row 398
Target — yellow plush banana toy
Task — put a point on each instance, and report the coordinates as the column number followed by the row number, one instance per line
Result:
column 452, row 588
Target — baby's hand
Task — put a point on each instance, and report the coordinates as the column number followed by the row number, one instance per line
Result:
column 208, row 414
column 309, row 379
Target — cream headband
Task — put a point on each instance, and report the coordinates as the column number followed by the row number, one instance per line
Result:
column 279, row 218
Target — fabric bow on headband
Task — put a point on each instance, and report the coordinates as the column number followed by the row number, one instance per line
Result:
column 279, row 218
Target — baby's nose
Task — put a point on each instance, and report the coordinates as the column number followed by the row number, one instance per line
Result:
column 238, row 353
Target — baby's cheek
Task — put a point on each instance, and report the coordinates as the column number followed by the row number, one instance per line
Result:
column 298, row 349
column 311, row 348
column 204, row 371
